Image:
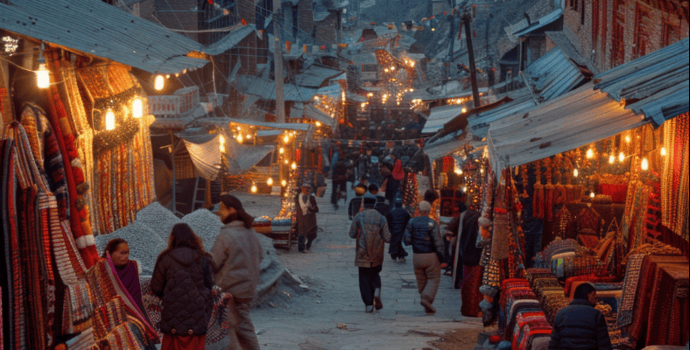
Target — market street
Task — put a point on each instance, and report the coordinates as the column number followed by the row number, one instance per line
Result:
column 331, row 315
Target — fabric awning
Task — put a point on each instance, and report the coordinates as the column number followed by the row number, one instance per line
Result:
column 313, row 113
column 573, row 120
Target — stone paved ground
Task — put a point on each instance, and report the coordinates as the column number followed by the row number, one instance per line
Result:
column 331, row 314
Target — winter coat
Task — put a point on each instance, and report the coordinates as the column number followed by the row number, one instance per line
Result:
column 370, row 229
column 382, row 205
column 398, row 219
column 424, row 235
column 237, row 255
column 355, row 205
column 580, row 326
column 306, row 224
column 183, row 279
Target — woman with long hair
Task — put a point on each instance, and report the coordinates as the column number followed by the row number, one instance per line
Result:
column 183, row 279
column 237, row 256
column 127, row 270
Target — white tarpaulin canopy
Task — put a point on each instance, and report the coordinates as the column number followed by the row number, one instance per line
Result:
column 570, row 121
column 204, row 148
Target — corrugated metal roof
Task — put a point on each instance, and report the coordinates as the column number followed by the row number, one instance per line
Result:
column 440, row 116
column 225, row 122
column 266, row 89
column 311, row 112
column 426, row 96
column 316, row 75
column 553, row 75
column 99, row 29
column 656, row 84
column 522, row 102
column 229, row 41
column 541, row 23
column 573, row 120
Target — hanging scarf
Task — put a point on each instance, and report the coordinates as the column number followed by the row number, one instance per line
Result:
column 129, row 277
column 398, row 172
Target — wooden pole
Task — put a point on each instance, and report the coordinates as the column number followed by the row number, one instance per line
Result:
column 278, row 55
column 470, row 52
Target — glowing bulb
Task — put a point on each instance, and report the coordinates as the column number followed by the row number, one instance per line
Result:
column 110, row 120
column 42, row 76
column 286, row 139
column 316, row 98
column 386, row 70
column 159, row 82
column 576, row 173
column 621, row 157
column 364, row 105
column 318, row 124
column 137, row 108
column 294, row 166
column 287, row 162
column 590, row 153
column 248, row 137
column 270, row 181
column 254, row 189
column 464, row 189
column 645, row 164
column 458, row 171
column 464, row 110
column 240, row 139
column 591, row 194
column 612, row 159
column 284, row 183
column 282, row 150
column 663, row 151
column 393, row 68
column 627, row 139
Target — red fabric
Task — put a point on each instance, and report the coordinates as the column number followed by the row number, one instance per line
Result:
column 398, row 172
column 183, row 342
column 617, row 192
column 471, row 281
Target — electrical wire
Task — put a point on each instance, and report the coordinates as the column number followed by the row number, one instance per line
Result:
column 16, row 65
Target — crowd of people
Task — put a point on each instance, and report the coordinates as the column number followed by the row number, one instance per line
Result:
column 185, row 274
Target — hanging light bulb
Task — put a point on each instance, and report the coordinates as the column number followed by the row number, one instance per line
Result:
column 294, row 166
column 137, row 107
column 269, row 181
column 286, row 139
column 612, row 159
column 254, row 189
column 464, row 189
column 248, row 137
column 458, row 171
column 110, row 120
column 284, row 183
column 282, row 150
column 576, row 173
column 627, row 139
column 591, row 195
column 621, row 157
column 645, row 164
column 663, row 151
column 240, row 139
column 43, row 74
column 590, row 153
column 222, row 143
column 464, row 110
column 159, row 82
column 287, row 162
column 318, row 124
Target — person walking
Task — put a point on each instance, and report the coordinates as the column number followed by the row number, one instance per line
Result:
column 382, row 204
column 370, row 229
column 398, row 218
column 424, row 235
column 340, row 177
column 237, row 255
column 356, row 203
column 183, row 279
column 306, row 218
column 579, row 325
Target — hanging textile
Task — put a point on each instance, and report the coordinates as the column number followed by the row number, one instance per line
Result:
column 674, row 177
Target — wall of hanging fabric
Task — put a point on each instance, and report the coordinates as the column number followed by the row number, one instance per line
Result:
column 674, row 177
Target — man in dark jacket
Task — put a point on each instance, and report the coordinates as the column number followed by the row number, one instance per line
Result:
column 382, row 205
column 424, row 235
column 580, row 325
column 398, row 219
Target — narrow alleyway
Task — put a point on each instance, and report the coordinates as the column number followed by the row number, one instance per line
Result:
column 331, row 314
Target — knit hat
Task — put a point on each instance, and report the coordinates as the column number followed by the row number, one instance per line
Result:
column 369, row 201
column 360, row 189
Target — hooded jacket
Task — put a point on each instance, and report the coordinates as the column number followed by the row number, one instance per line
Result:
column 237, row 255
column 580, row 326
column 183, row 279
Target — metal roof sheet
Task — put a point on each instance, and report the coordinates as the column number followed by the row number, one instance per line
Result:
column 266, row 89
column 552, row 75
column 311, row 112
column 225, row 122
column 573, row 120
column 541, row 23
column 99, row 29
column 521, row 103
column 440, row 116
column 316, row 75
column 229, row 41
column 655, row 84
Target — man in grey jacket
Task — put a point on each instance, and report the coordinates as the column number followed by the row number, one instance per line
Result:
column 370, row 229
column 237, row 255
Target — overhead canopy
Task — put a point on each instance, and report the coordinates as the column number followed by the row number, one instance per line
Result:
column 541, row 23
column 225, row 122
column 99, row 29
column 571, row 121
column 440, row 116
column 316, row 75
column 443, row 146
column 313, row 113
column 203, row 146
column 266, row 89
column 655, row 85
column 230, row 40
column 522, row 102
column 553, row 75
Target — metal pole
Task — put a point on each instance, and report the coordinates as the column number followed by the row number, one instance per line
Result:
column 278, row 55
column 470, row 52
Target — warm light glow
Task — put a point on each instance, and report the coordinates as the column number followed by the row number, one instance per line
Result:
column 254, row 189
column 42, row 76
column 663, row 151
column 386, row 70
column 576, row 173
column 370, row 95
column 222, row 143
column 621, row 157
column 464, row 110
column 287, row 162
column 294, row 166
column 393, row 68
column 591, row 194
column 645, row 164
column 282, row 150
column 364, row 105
column 110, row 120
column 627, row 139
column 137, row 108
column 318, row 124
column 284, row 183
column 270, row 181
column 612, row 159
column 458, row 171
column 590, row 153
column 464, row 189
column 433, row 29
column 286, row 139
column 316, row 98
column 159, row 82
column 248, row 137
column 240, row 139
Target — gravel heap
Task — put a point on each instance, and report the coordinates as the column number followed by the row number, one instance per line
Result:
column 206, row 225
column 159, row 219
column 144, row 244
